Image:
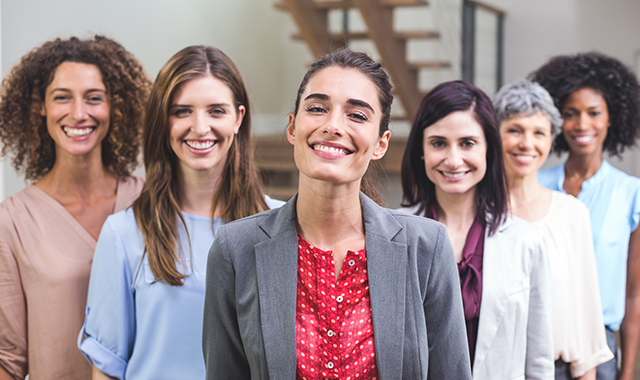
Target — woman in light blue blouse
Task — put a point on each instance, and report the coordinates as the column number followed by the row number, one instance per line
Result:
column 146, row 293
column 599, row 99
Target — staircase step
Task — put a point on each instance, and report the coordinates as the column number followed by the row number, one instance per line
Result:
column 403, row 35
column 346, row 4
column 429, row 65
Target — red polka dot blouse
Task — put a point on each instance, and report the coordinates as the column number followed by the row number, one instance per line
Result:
column 334, row 332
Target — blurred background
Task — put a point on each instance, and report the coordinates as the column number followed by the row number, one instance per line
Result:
column 272, row 42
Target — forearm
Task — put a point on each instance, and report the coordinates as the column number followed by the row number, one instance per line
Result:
column 630, row 337
column 591, row 375
column 96, row 374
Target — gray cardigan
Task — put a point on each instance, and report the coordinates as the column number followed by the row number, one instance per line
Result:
column 250, row 304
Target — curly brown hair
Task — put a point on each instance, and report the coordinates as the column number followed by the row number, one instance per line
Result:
column 23, row 130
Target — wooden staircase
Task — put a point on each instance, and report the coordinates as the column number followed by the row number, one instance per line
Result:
column 311, row 17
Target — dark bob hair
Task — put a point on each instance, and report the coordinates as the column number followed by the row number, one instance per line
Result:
column 563, row 75
column 491, row 191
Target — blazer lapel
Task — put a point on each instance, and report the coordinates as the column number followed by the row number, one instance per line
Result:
column 387, row 265
column 494, row 293
column 277, row 271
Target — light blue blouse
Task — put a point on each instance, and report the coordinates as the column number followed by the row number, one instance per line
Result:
column 613, row 200
column 137, row 327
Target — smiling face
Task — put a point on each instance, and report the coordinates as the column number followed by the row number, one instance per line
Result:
column 76, row 108
column 455, row 151
column 586, row 121
column 335, row 132
column 526, row 142
column 202, row 122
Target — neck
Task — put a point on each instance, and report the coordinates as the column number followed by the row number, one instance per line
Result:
column 524, row 189
column 584, row 166
column 77, row 176
column 197, row 189
column 328, row 213
column 456, row 211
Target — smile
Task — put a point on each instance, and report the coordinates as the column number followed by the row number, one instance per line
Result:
column 525, row 159
column 331, row 150
column 78, row 131
column 200, row 145
column 584, row 139
column 453, row 175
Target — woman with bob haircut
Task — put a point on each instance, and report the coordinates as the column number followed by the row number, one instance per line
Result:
column 146, row 294
column 599, row 100
column 452, row 171
column 528, row 122
column 70, row 116
column 332, row 285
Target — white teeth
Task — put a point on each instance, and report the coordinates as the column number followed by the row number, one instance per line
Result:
column 77, row 132
column 329, row 149
column 200, row 145
column 523, row 158
column 453, row 175
column 584, row 139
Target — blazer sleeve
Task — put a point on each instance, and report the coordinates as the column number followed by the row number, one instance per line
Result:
column 539, row 360
column 222, row 346
column 446, row 332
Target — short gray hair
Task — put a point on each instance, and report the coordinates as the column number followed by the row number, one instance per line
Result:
column 526, row 98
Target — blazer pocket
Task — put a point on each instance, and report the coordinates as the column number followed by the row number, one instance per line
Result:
column 519, row 286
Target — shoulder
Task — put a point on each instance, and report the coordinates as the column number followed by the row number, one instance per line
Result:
column 549, row 177
column 567, row 205
column 130, row 187
column 622, row 179
column 273, row 203
column 123, row 225
column 523, row 233
column 20, row 207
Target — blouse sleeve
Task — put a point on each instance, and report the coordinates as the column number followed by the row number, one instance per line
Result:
column 635, row 209
column 13, row 315
column 109, row 325
column 592, row 344
column 539, row 361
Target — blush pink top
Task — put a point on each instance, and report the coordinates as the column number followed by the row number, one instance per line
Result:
column 45, row 260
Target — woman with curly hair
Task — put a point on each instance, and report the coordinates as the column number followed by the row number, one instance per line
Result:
column 599, row 100
column 70, row 115
column 146, row 295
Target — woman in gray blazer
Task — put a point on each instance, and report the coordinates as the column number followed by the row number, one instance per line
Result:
column 453, row 172
column 331, row 285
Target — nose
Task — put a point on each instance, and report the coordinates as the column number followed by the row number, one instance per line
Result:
column 334, row 125
column 525, row 142
column 78, row 111
column 200, row 125
column 453, row 159
column 583, row 121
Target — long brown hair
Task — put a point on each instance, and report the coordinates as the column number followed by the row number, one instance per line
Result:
column 239, row 192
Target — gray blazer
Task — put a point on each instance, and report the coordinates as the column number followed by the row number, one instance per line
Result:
column 250, row 303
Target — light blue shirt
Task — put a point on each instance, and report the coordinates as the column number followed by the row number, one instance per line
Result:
column 137, row 327
column 613, row 200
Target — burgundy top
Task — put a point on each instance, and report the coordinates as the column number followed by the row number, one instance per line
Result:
column 470, row 271
column 334, row 331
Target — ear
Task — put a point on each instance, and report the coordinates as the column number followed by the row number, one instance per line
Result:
column 291, row 129
column 241, row 112
column 43, row 111
column 381, row 146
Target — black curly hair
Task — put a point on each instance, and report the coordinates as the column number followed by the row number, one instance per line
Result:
column 619, row 87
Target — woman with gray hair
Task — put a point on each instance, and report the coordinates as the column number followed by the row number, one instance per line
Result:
column 528, row 122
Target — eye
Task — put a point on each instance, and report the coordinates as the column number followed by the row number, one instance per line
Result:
column 437, row 143
column 513, row 130
column 594, row 113
column 60, row 98
column 468, row 144
column 217, row 111
column 359, row 116
column 315, row 109
column 568, row 114
column 95, row 99
column 181, row 112
column 540, row 133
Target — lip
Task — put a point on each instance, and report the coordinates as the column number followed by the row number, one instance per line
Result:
column 78, row 129
column 330, row 150
column 454, row 176
column 523, row 158
column 197, row 151
column 584, row 139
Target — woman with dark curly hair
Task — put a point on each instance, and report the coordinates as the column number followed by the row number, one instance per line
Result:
column 70, row 115
column 599, row 100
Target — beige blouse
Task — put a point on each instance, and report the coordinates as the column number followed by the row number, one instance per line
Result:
column 45, row 260
column 578, row 329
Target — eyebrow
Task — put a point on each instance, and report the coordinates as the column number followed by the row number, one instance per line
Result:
column 444, row 138
column 353, row 102
column 210, row 105
column 68, row 90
